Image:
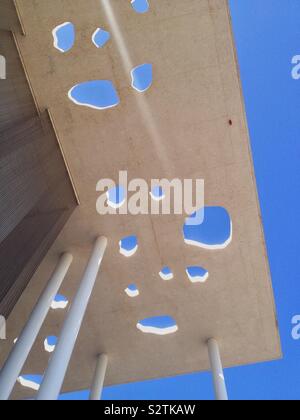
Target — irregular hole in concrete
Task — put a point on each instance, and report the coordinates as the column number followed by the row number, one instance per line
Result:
column 140, row 6
column 158, row 325
column 50, row 343
column 64, row 37
column 100, row 37
column 132, row 291
column 116, row 197
column 128, row 246
column 213, row 233
column 95, row 94
column 142, row 77
column 157, row 193
column 166, row 274
column 59, row 302
column 197, row 274
column 31, row 381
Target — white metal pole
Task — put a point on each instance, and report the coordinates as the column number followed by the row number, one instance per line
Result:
column 217, row 370
column 99, row 377
column 2, row 328
column 56, row 371
column 21, row 349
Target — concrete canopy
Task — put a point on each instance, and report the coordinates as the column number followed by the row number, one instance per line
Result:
column 177, row 129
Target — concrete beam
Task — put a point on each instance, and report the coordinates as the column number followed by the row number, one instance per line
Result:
column 59, row 363
column 10, row 18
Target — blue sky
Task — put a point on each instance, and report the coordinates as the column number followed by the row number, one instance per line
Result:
column 267, row 34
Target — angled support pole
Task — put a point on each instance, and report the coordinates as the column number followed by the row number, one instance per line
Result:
column 17, row 358
column 57, row 368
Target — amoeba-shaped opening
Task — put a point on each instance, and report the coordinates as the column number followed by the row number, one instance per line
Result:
column 142, row 77
column 166, row 274
column 197, row 274
column 59, row 302
column 140, row 6
column 213, row 232
column 100, row 37
column 128, row 246
column 50, row 343
column 96, row 94
column 157, row 193
column 132, row 291
column 31, row 381
column 116, row 197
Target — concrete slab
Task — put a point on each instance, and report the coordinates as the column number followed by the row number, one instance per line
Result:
column 179, row 128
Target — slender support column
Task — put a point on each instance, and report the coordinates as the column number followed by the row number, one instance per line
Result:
column 56, row 371
column 19, row 353
column 98, row 381
column 217, row 370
